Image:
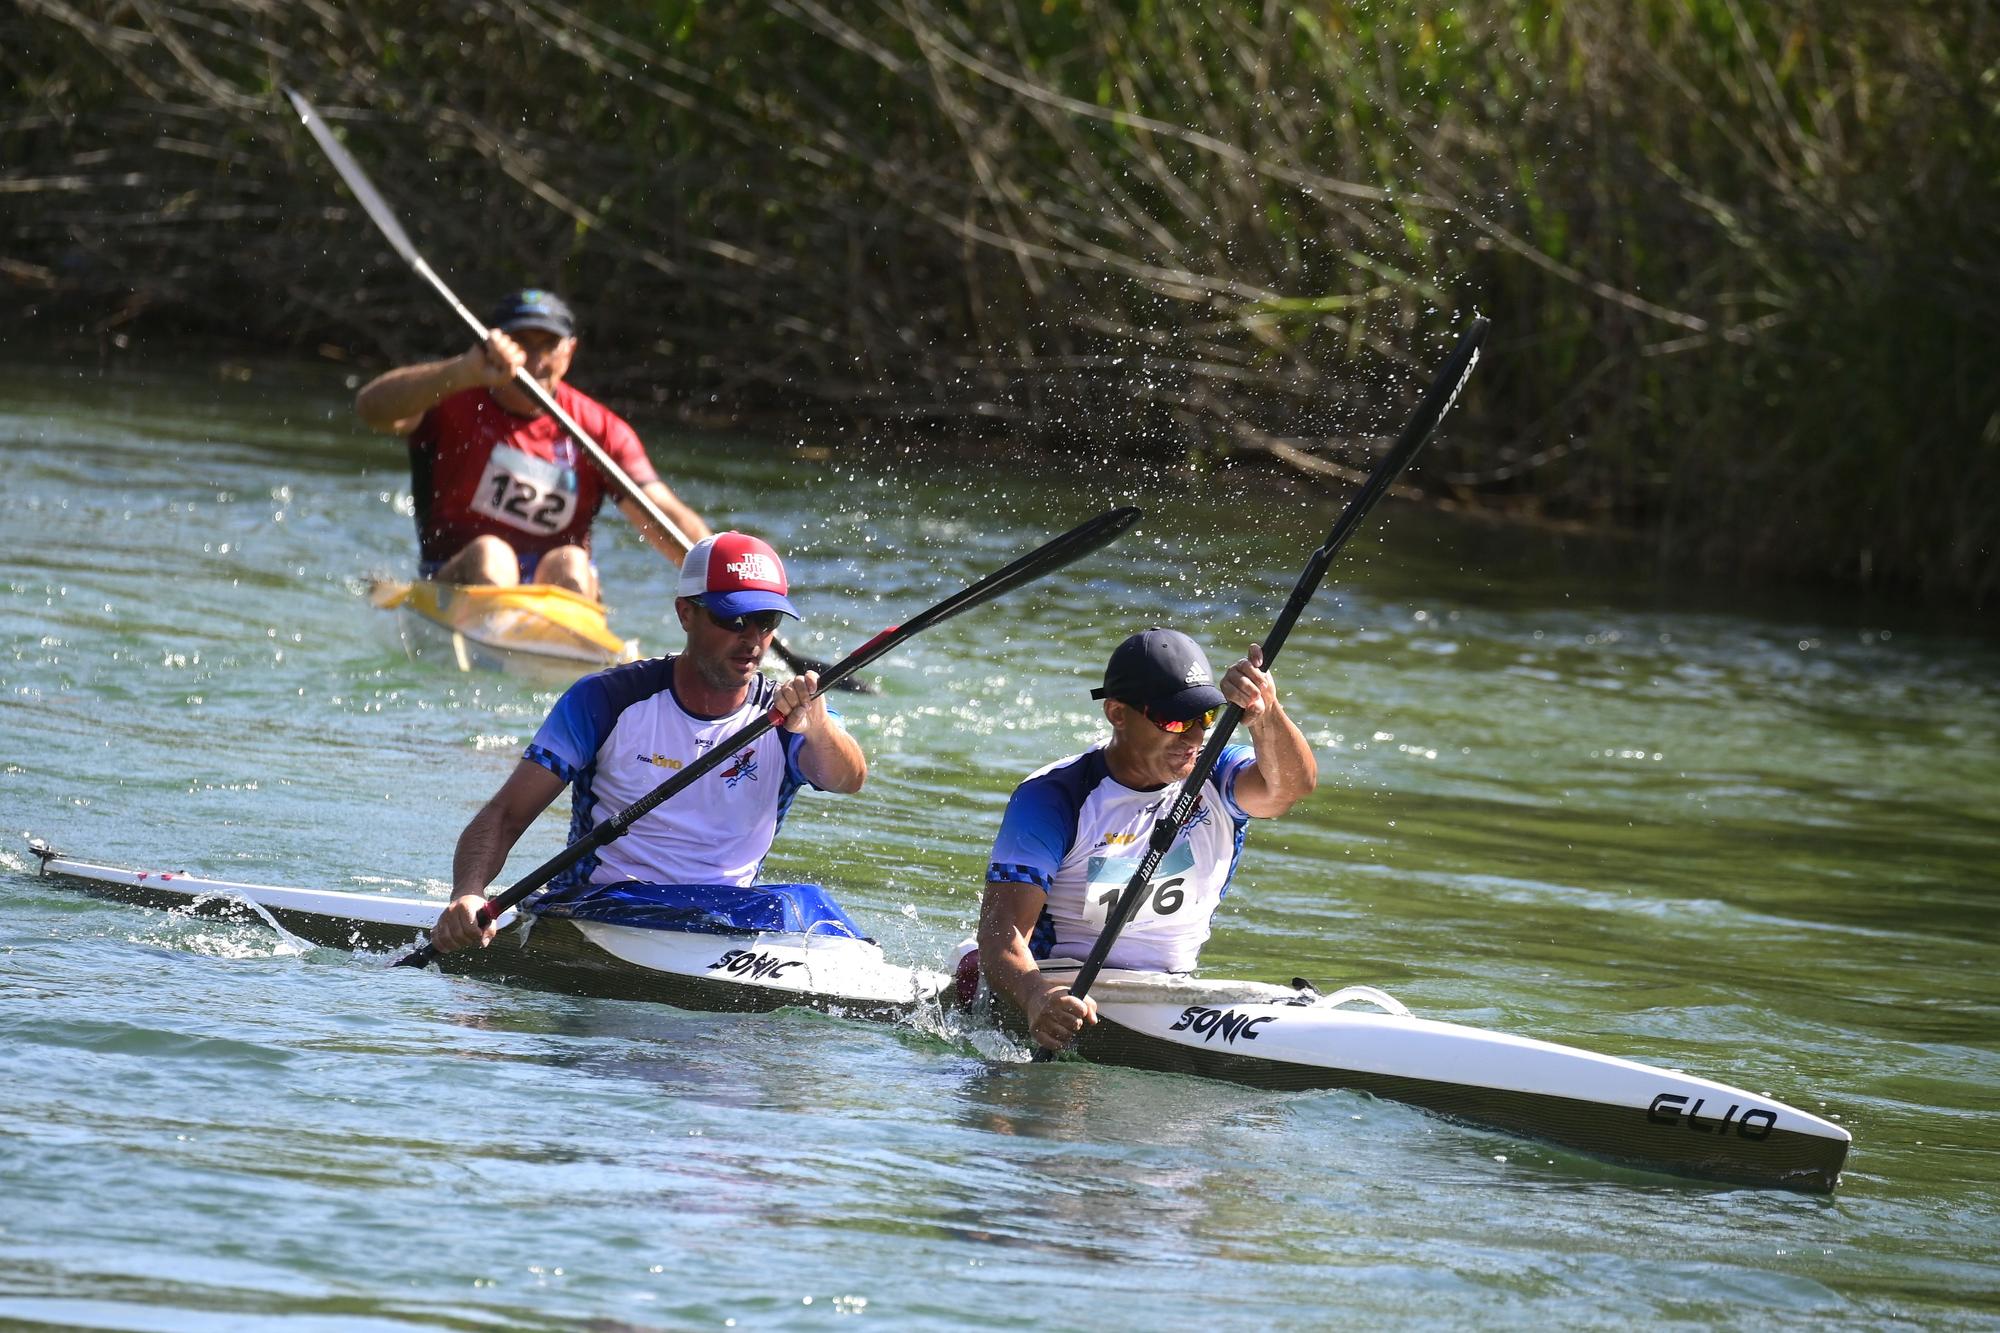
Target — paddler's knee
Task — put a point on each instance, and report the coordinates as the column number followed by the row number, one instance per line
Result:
column 568, row 567
column 487, row 560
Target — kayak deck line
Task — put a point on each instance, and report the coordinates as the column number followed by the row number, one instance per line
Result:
column 712, row 971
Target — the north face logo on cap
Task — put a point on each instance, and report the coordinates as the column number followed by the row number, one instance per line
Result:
column 755, row 567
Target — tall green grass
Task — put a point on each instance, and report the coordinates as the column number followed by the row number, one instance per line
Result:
column 1740, row 257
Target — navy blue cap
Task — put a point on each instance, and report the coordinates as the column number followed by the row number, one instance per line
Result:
column 534, row 308
column 1162, row 671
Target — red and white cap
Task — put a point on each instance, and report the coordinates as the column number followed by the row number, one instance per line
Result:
column 734, row 574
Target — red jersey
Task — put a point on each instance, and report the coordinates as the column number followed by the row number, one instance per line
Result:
column 476, row 470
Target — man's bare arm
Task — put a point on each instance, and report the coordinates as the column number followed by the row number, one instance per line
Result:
column 393, row 402
column 691, row 524
column 1007, row 915
column 482, row 852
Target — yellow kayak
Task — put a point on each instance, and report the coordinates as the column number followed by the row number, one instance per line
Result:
column 534, row 630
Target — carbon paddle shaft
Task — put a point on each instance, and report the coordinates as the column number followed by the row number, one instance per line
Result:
column 1038, row 563
column 1437, row 400
column 377, row 208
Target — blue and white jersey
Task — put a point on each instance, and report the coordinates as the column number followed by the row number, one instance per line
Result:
column 1078, row 834
column 617, row 734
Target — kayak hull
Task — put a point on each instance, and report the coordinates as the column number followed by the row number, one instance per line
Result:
column 750, row 972
column 1616, row 1109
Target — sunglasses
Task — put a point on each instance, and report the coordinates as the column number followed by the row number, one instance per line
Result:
column 1175, row 726
column 761, row 621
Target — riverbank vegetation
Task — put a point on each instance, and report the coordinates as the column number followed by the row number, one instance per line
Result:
column 1740, row 257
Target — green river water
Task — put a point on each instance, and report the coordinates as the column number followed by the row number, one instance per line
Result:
column 1753, row 840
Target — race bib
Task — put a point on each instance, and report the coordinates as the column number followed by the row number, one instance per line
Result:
column 1168, row 893
column 525, row 492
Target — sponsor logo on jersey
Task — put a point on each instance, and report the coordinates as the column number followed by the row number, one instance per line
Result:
column 1119, row 840
column 1208, row 1023
column 754, row 567
column 1670, row 1108
column 659, row 761
column 745, row 767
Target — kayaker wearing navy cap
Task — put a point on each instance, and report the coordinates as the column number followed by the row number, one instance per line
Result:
column 1074, row 832
column 619, row 733
column 503, row 494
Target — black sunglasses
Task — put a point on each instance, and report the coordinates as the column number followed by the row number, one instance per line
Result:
column 761, row 621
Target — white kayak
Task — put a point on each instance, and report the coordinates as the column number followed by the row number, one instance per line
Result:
column 1294, row 1038
column 692, row 969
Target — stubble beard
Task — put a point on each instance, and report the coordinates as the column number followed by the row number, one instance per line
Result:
column 717, row 673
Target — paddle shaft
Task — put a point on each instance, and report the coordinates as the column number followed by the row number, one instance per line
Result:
column 1044, row 560
column 1430, row 410
column 378, row 211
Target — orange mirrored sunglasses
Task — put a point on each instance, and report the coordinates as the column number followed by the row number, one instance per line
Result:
column 1175, row 726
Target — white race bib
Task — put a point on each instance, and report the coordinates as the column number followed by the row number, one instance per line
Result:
column 525, row 492
column 1166, row 893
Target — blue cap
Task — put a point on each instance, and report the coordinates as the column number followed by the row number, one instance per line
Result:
column 534, row 308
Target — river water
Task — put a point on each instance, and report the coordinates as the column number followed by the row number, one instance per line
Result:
column 1755, row 841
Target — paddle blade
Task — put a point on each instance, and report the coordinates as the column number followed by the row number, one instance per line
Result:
column 421, row 956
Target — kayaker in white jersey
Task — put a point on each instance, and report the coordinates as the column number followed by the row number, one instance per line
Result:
column 1075, row 831
column 618, row 734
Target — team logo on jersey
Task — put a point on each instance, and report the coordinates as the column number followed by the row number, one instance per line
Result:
column 659, row 760
column 1197, row 817
column 1119, row 840
column 744, row 767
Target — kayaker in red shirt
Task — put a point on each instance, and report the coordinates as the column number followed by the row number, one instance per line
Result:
column 503, row 494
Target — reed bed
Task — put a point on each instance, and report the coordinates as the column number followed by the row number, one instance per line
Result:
column 1740, row 257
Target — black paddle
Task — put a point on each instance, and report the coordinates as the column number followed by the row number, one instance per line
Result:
column 1066, row 549
column 1437, row 400
column 377, row 208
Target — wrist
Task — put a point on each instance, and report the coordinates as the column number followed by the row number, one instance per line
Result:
column 464, row 371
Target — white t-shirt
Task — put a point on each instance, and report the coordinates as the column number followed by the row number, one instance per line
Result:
column 1078, row 834
column 618, row 734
